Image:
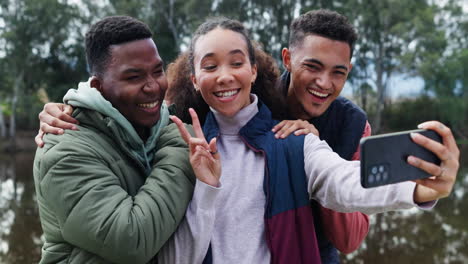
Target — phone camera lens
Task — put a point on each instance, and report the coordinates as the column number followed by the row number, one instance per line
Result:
column 385, row 176
column 381, row 168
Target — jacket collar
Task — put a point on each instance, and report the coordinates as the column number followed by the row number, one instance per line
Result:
column 90, row 98
column 108, row 126
column 256, row 127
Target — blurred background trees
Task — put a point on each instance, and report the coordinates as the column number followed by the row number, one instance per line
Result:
column 42, row 50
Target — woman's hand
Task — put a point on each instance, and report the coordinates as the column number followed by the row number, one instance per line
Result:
column 54, row 118
column 204, row 157
column 441, row 184
column 299, row 127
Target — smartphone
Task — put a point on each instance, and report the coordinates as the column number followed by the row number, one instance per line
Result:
column 383, row 158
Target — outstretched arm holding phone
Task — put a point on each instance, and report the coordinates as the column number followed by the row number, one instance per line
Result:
column 338, row 196
column 56, row 116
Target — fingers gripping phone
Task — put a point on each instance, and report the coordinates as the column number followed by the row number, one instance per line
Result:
column 383, row 158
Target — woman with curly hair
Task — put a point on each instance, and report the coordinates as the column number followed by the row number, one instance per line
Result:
column 251, row 199
column 181, row 94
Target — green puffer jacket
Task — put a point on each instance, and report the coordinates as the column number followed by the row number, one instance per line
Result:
column 95, row 202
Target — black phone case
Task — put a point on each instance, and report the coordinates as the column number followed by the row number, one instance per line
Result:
column 383, row 158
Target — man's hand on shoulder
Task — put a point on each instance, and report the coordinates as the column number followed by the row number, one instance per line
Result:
column 298, row 127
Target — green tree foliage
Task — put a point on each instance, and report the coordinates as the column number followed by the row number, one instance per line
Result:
column 394, row 38
column 397, row 118
column 39, row 48
column 446, row 73
column 42, row 42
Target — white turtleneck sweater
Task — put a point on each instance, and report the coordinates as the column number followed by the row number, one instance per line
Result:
column 231, row 217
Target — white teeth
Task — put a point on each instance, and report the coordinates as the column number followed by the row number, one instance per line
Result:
column 317, row 93
column 226, row 93
column 149, row 105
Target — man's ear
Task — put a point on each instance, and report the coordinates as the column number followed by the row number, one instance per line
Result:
column 194, row 81
column 96, row 83
column 286, row 56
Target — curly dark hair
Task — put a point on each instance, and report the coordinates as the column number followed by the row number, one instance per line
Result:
column 223, row 23
column 181, row 91
column 109, row 31
column 325, row 23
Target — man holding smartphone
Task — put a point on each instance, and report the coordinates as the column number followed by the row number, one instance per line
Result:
column 317, row 63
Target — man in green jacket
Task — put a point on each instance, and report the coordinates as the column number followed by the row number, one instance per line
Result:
column 100, row 199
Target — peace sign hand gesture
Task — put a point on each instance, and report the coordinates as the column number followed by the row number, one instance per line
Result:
column 204, row 157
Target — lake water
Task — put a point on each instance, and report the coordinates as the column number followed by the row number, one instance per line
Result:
column 412, row 236
column 20, row 228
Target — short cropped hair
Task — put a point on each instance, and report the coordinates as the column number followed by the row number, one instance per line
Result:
column 325, row 23
column 109, row 31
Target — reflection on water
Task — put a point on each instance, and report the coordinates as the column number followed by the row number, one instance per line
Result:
column 415, row 236
column 412, row 236
column 20, row 229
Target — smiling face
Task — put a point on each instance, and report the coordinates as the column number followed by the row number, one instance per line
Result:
column 319, row 68
column 134, row 82
column 223, row 71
